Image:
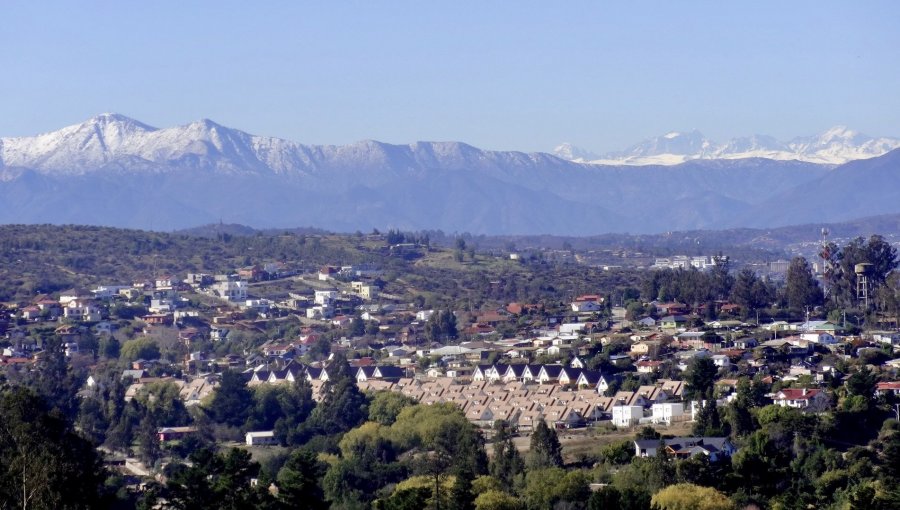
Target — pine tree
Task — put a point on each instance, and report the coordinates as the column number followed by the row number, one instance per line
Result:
column 546, row 450
column 232, row 401
column 507, row 462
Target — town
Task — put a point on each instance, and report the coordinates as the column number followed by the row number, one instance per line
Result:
column 309, row 352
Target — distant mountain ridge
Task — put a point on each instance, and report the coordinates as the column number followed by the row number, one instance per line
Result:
column 835, row 146
column 116, row 171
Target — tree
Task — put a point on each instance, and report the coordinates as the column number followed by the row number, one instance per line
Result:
column 298, row 481
column 296, row 406
column 496, row 500
column 216, row 481
column 342, row 408
column 441, row 326
column 357, row 327
column 140, row 348
column 386, row 405
column 875, row 251
column 43, row 463
column 700, row 377
column 461, row 496
column 54, row 379
column 751, row 292
column 232, row 400
column 721, row 278
column 507, row 462
column 110, row 347
column 801, row 287
column 686, row 496
column 709, row 422
column 546, row 450
column 549, row 487
column 739, row 416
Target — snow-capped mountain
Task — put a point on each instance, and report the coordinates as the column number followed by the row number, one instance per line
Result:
column 835, row 146
column 571, row 152
column 113, row 170
column 112, row 142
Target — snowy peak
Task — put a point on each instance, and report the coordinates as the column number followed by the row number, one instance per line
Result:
column 834, row 146
column 682, row 144
column 573, row 153
column 111, row 142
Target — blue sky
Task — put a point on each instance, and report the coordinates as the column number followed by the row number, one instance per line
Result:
column 498, row 75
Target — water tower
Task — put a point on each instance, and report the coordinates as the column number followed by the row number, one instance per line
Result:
column 863, row 282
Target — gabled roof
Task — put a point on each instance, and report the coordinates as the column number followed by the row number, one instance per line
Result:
column 389, row 372
column 797, row 393
column 687, row 444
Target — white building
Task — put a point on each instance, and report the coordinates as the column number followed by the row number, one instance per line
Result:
column 262, row 438
column 325, row 297
column 234, row 291
column 668, row 412
column 819, row 338
column 627, row 416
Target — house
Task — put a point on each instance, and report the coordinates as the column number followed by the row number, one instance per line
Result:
column 802, row 398
column 820, row 338
column 364, row 291
column 648, row 367
column 563, row 417
column 486, row 373
column 668, row 412
column 588, row 379
column 261, row 438
column 327, row 273
column 887, row 337
column 885, row 388
column 627, row 416
column 513, row 373
column 818, row 327
column 586, row 306
column 646, row 348
column 82, row 310
column 549, row 374
column 172, row 433
column 672, row 322
column 569, row 375
column 721, row 360
column 325, row 297
column 605, row 381
column 673, row 308
column 747, row 342
column 685, row 447
column 647, row 322
column 233, row 291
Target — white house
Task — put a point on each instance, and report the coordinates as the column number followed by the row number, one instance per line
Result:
column 234, row 291
column 262, row 438
column 586, row 306
column 82, row 310
column 801, row 398
column 668, row 412
column 721, row 360
column 627, row 416
column 819, row 338
column 325, row 297
column 573, row 327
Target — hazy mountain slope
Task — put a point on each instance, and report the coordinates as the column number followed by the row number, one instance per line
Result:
column 859, row 188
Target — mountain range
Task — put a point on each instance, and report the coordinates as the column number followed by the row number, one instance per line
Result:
column 835, row 146
column 116, row 171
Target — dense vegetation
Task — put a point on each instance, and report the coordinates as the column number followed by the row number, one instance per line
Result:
column 353, row 450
